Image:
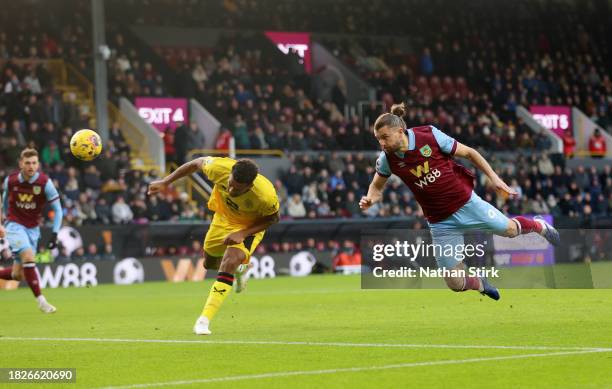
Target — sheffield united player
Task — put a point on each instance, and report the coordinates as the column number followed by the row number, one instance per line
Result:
column 422, row 157
column 25, row 193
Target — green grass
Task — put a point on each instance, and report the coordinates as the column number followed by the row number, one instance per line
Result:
column 313, row 309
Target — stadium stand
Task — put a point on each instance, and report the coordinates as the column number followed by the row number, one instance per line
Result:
column 456, row 78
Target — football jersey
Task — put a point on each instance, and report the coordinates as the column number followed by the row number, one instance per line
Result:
column 259, row 201
column 440, row 185
column 26, row 199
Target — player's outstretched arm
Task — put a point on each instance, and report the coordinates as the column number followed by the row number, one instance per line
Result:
column 375, row 192
column 185, row 169
column 478, row 160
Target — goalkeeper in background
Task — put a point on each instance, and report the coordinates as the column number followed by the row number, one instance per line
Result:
column 245, row 204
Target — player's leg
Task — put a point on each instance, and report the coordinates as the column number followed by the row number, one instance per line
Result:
column 444, row 238
column 18, row 241
column 523, row 225
column 214, row 248
column 485, row 217
column 220, row 289
column 30, row 274
column 23, row 243
column 7, row 273
column 13, row 272
column 242, row 272
column 212, row 261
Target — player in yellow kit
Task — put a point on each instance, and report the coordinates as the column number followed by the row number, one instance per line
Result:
column 245, row 204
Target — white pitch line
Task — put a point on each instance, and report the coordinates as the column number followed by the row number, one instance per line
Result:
column 298, row 343
column 349, row 369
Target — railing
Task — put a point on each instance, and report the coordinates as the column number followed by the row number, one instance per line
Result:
column 136, row 140
column 199, row 152
column 56, row 67
column 76, row 78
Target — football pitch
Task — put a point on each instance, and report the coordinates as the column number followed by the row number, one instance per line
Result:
column 318, row 331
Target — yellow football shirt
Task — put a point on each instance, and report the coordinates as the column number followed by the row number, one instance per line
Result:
column 260, row 201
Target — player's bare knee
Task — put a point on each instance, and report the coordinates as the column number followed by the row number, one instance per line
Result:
column 511, row 230
column 454, row 283
column 211, row 262
column 17, row 275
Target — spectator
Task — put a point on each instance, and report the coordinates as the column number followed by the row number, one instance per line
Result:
column 79, row 255
column 296, row 208
column 11, row 152
column 121, row 211
column 181, row 142
column 169, row 148
column 223, row 140
column 116, row 136
column 597, row 144
column 88, row 209
column 347, row 258
column 545, row 165
column 108, row 254
column 50, row 154
column 569, row 144
column 337, row 180
column 195, row 137
column 427, row 65
column 351, row 205
column 31, row 82
column 92, row 253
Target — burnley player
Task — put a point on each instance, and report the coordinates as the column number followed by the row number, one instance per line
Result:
column 25, row 194
column 422, row 157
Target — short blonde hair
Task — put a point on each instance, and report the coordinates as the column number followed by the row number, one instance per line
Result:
column 28, row 152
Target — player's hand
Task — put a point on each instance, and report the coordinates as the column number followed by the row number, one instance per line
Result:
column 52, row 242
column 502, row 188
column 365, row 203
column 2, row 232
column 156, row 187
column 234, row 238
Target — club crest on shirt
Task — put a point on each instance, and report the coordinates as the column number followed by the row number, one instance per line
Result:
column 425, row 151
column 36, row 189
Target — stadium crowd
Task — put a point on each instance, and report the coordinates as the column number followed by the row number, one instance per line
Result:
column 459, row 80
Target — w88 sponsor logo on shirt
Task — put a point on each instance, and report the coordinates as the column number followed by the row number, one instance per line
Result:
column 429, row 177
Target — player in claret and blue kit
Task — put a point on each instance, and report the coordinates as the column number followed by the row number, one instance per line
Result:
column 25, row 193
column 422, row 157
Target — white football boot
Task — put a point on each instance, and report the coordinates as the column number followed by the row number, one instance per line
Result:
column 201, row 326
column 44, row 306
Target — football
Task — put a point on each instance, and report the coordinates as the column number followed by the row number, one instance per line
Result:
column 86, row 145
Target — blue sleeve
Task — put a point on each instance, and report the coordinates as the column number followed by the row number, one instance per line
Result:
column 58, row 215
column 50, row 191
column 56, row 205
column 5, row 197
column 382, row 165
column 447, row 144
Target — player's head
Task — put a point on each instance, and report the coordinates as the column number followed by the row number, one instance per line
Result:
column 389, row 129
column 28, row 163
column 241, row 180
